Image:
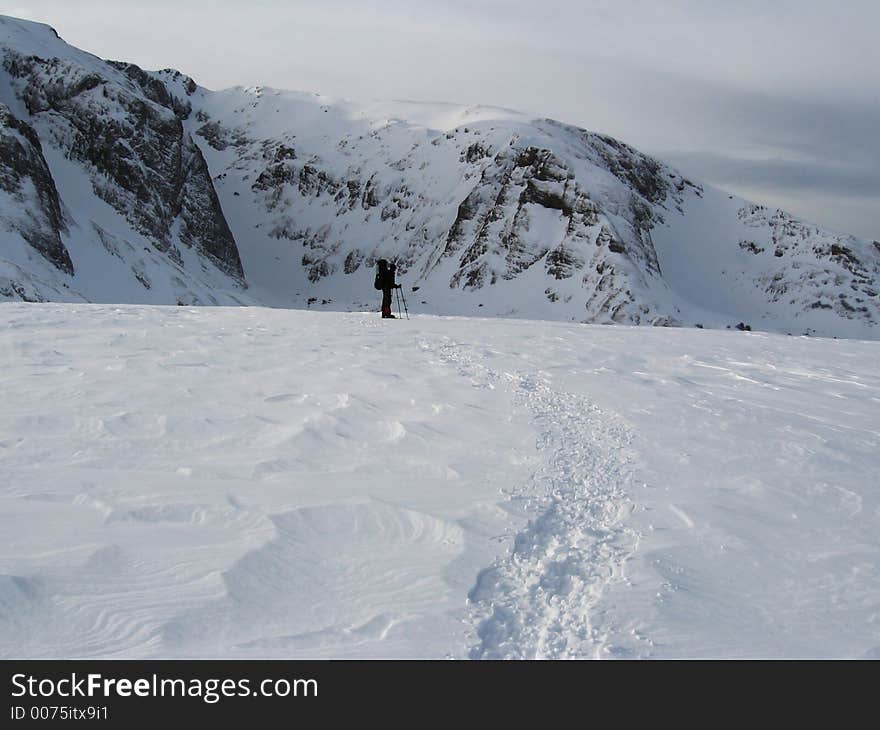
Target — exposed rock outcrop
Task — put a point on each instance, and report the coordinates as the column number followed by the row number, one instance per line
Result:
column 33, row 208
column 126, row 128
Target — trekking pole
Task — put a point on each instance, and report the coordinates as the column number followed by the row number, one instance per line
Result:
column 400, row 291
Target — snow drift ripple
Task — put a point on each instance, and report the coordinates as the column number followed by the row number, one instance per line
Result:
column 539, row 601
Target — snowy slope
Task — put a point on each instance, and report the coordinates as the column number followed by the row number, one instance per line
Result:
column 174, row 193
column 129, row 205
column 247, row 482
column 494, row 212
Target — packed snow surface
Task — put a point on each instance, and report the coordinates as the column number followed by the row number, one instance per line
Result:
column 246, row 482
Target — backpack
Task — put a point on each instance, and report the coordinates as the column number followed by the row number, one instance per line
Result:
column 381, row 274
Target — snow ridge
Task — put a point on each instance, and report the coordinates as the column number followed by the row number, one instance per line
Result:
column 540, row 600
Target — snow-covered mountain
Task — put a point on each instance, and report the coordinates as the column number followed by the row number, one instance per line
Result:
column 120, row 185
column 105, row 195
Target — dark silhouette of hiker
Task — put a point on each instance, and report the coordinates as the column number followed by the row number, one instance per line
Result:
column 385, row 274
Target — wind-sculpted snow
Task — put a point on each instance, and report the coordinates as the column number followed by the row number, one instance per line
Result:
column 339, row 555
column 249, row 482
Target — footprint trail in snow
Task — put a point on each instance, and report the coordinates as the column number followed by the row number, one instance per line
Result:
column 540, row 600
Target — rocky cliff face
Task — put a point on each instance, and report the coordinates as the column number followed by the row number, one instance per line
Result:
column 121, row 165
column 164, row 191
column 530, row 209
column 809, row 268
column 130, row 138
column 32, row 206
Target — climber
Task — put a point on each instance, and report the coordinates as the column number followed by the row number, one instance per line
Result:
column 384, row 281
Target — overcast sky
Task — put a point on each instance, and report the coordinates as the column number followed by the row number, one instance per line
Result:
column 778, row 100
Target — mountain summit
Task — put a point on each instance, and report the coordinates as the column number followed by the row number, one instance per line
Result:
column 123, row 185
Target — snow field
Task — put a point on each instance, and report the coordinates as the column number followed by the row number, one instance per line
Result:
column 244, row 482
